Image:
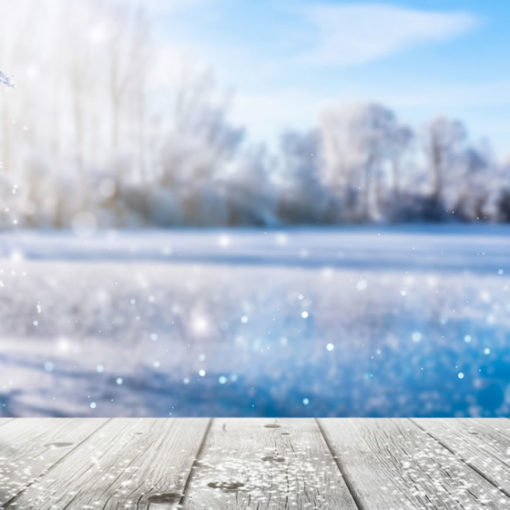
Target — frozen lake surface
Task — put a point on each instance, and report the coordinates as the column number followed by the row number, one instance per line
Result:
column 345, row 322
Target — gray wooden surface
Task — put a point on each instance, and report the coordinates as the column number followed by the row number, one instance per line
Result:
column 255, row 463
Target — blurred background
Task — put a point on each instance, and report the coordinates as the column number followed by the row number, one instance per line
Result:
column 204, row 113
column 254, row 208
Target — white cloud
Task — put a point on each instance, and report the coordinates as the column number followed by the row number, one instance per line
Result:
column 352, row 34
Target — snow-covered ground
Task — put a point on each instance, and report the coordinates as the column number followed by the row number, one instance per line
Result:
column 379, row 322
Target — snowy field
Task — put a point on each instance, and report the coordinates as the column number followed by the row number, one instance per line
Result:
column 365, row 322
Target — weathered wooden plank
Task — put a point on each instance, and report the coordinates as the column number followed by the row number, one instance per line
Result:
column 484, row 444
column 29, row 447
column 393, row 464
column 261, row 463
column 129, row 463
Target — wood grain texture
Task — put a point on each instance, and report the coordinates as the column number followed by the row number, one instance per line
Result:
column 266, row 464
column 129, row 463
column 483, row 444
column 157, row 464
column 30, row 447
column 393, row 464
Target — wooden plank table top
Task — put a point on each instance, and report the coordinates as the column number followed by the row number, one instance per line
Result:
column 234, row 463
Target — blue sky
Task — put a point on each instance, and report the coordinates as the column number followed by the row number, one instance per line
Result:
column 287, row 59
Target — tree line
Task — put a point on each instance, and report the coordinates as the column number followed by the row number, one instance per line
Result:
column 101, row 129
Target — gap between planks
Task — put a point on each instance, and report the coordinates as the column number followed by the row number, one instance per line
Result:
column 462, row 458
column 343, row 474
column 266, row 463
column 195, row 461
column 38, row 477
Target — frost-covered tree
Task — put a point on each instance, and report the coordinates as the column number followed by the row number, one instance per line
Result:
column 103, row 141
column 200, row 145
column 399, row 144
column 303, row 196
column 361, row 142
column 251, row 189
column 474, row 190
column 501, row 192
column 463, row 175
column 443, row 142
